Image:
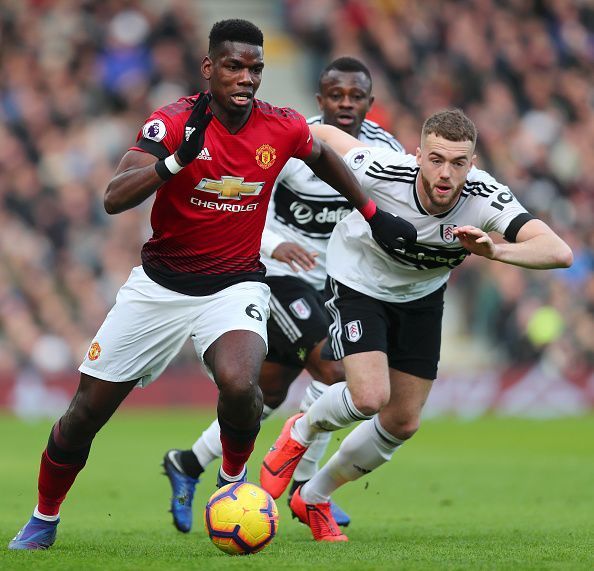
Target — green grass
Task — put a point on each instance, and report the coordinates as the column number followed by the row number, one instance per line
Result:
column 485, row 494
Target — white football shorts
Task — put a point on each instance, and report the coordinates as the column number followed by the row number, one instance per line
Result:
column 148, row 325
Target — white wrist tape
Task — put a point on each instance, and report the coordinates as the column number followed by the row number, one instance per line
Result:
column 172, row 165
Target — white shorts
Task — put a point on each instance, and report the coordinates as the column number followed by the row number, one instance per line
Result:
column 148, row 325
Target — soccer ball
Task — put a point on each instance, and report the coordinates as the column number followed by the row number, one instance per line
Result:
column 241, row 518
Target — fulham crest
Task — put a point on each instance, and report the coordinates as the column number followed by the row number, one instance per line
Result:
column 300, row 309
column 353, row 331
column 446, row 231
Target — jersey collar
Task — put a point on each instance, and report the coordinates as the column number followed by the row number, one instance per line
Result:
column 420, row 207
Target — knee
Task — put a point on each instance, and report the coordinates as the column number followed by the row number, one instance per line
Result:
column 403, row 428
column 370, row 402
column 80, row 424
column 236, row 385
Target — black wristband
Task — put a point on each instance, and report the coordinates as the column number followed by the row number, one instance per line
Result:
column 162, row 170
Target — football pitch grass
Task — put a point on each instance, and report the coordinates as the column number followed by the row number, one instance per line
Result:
column 483, row 494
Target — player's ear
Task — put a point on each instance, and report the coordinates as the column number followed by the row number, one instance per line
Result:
column 371, row 100
column 418, row 156
column 206, row 68
column 319, row 100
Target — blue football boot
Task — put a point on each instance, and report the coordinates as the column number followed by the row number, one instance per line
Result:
column 36, row 534
column 223, row 482
column 341, row 517
column 182, row 487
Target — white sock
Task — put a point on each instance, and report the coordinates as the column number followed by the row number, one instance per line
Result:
column 331, row 411
column 314, row 390
column 208, row 447
column 310, row 463
column 232, row 478
column 362, row 451
column 39, row 515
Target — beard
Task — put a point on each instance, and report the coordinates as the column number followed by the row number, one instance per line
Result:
column 441, row 203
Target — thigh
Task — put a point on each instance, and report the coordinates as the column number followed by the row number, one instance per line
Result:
column 298, row 320
column 144, row 330
column 275, row 380
column 414, row 338
column 235, row 358
column 368, row 380
column 241, row 307
column 322, row 369
column 359, row 323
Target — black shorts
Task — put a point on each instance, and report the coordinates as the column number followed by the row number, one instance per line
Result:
column 298, row 320
column 409, row 333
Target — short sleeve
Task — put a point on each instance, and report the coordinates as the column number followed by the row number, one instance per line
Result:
column 160, row 136
column 304, row 140
column 501, row 211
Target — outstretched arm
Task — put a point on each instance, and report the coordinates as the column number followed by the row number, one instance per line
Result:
column 536, row 246
column 388, row 230
column 329, row 166
column 340, row 141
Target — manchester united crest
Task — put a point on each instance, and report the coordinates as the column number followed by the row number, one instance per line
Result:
column 265, row 156
column 94, row 351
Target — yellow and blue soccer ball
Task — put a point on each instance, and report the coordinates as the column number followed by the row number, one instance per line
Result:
column 241, row 518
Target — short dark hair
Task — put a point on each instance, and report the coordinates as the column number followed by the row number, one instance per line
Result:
column 234, row 30
column 348, row 64
column 451, row 124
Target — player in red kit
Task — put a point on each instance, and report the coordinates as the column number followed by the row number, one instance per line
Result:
column 212, row 160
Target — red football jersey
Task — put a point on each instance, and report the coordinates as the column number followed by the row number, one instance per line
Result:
column 208, row 219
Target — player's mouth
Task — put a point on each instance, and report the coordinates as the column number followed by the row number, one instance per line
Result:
column 242, row 99
column 442, row 188
column 345, row 119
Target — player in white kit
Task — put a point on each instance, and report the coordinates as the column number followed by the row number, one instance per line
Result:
column 302, row 213
column 387, row 304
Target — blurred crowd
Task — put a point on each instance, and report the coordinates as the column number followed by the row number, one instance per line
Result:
column 79, row 77
column 523, row 70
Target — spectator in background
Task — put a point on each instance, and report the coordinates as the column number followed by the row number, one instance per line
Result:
column 77, row 80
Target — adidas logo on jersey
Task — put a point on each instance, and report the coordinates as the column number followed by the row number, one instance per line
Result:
column 189, row 131
column 204, row 155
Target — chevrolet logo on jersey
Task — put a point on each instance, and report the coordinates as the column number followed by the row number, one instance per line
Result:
column 230, row 187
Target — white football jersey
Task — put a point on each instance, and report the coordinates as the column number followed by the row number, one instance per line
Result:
column 356, row 260
column 304, row 209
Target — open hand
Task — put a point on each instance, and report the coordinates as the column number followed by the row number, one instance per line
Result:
column 476, row 241
column 294, row 255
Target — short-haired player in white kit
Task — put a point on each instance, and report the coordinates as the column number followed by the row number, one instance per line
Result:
column 387, row 304
column 301, row 216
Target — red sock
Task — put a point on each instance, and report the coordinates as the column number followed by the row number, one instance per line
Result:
column 54, row 482
column 236, row 453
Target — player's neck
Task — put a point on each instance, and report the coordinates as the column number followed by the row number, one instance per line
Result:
column 233, row 122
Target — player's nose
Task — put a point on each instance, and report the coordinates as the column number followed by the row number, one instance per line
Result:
column 246, row 78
